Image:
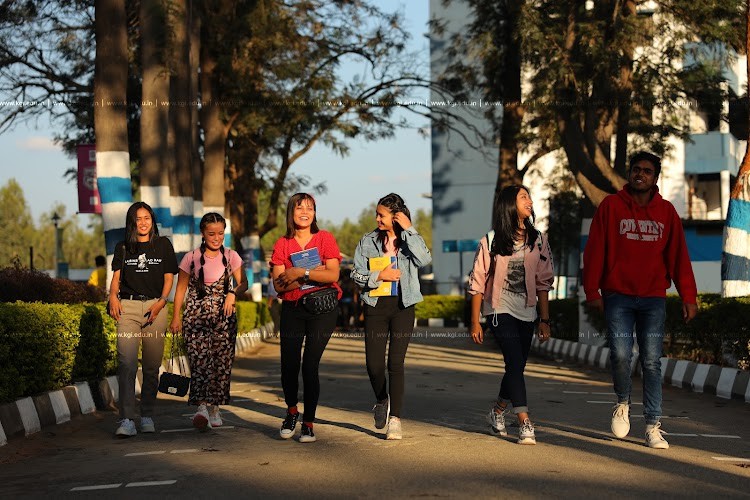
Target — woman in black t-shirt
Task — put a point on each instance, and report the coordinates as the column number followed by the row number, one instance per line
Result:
column 144, row 266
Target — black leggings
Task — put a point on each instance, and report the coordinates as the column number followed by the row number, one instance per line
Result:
column 298, row 325
column 514, row 337
column 388, row 320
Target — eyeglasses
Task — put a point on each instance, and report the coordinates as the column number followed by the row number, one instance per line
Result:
column 645, row 171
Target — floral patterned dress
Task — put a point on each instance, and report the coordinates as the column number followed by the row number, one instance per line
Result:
column 210, row 339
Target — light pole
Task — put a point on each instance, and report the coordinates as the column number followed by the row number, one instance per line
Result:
column 55, row 221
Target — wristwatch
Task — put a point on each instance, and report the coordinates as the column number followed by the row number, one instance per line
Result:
column 307, row 275
column 545, row 321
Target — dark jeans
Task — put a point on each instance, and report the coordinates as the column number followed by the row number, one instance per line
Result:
column 514, row 337
column 388, row 320
column 298, row 325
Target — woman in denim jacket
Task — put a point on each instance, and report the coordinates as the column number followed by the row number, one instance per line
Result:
column 512, row 273
column 389, row 294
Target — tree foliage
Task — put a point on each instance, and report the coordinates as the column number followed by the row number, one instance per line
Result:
column 607, row 77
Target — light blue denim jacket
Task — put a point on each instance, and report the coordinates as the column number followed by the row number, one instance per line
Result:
column 412, row 255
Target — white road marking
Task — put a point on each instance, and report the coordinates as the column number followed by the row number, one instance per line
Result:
column 732, row 459
column 612, row 403
column 139, row 454
column 97, row 487
column 190, row 450
column 150, row 483
column 188, row 429
column 680, row 434
column 662, row 417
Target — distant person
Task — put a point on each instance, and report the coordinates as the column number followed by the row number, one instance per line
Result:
column 389, row 294
column 347, row 304
column 209, row 324
column 635, row 249
column 274, row 306
column 98, row 276
column 144, row 266
column 511, row 275
column 299, row 321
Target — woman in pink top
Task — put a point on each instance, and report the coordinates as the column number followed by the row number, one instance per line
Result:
column 210, row 321
column 511, row 276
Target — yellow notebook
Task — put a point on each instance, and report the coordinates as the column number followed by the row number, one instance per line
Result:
column 386, row 288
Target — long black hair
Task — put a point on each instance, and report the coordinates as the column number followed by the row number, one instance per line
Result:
column 295, row 200
column 131, row 226
column 394, row 203
column 210, row 218
column 506, row 225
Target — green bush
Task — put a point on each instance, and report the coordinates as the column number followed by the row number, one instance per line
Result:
column 21, row 284
column 440, row 306
column 39, row 343
column 93, row 354
column 719, row 334
column 564, row 316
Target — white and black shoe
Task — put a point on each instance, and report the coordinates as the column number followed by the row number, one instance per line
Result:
column 288, row 425
column 306, row 434
column 381, row 411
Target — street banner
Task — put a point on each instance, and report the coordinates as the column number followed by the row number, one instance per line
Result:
column 88, row 193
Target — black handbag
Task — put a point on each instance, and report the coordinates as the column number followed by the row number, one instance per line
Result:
column 172, row 383
column 321, row 301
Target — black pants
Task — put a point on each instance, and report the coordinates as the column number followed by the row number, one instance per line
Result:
column 298, row 325
column 514, row 337
column 388, row 320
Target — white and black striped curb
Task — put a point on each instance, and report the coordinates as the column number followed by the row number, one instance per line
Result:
column 29, row 415
column 439, row 322
column 729, row 383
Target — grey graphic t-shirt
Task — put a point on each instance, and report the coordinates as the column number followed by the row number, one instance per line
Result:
column 513, row 296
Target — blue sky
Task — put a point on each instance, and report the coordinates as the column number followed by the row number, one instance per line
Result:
column 371, row 170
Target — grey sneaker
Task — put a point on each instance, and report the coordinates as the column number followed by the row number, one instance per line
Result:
column 621, row 420
column 654, row 438
column 394, row 429
column 214, row 417
column 497, row 421
column 147, row 425
column 126, row 428
column 526, row 433
column 381, row 412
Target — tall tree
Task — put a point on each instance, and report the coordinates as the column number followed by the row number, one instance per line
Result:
column 154, row 117
column 15, row 219
column 110, row 120
column 735, row 259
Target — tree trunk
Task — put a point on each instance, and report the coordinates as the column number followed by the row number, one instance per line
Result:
column 110, row 119
column 154, row 113
column 181, row 180
column 195, row 159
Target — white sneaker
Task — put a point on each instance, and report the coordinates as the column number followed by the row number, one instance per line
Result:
column 126, row 428
column 200, row 419
column 621, row 420
column 147, row 424
column 654, row 438
column 214, row 418
column 526, row 433
column 497, row 421
column 394, row 429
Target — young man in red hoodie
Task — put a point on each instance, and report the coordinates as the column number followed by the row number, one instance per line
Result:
column 635, row 249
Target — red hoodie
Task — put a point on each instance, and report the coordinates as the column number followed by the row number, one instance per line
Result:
column 637, row 250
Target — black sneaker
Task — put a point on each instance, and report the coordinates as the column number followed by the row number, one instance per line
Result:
column 307, row 435
column 287, row 427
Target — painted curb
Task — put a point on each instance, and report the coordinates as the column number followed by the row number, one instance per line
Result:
column 30, row 414
column 724, row 382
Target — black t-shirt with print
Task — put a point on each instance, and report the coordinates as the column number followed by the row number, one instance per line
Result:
column 145, row 269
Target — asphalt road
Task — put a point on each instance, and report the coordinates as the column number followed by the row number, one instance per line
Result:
column 447, row 450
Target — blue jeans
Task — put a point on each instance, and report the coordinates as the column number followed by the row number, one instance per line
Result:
column 646, row 314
